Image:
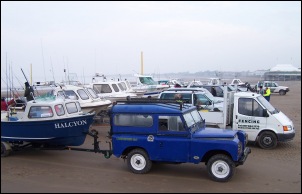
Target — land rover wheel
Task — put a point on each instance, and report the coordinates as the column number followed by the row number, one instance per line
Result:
column 138, row 161
column 267, row 140
column 282, row 92
column 220, row 168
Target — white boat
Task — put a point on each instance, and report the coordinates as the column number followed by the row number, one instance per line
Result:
column 87, row 97
column 111, row 90
column 128, row 89
column 147, row 84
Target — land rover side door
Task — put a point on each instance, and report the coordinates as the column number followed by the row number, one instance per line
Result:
column 250, row 117
column 172, row 140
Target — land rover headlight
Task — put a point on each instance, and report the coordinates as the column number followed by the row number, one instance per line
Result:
column 287, row 128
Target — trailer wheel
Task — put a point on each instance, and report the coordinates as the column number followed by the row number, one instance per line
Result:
column 267, row 140
column 138, row 161
column 220, row 168
column 282, row 92
column 5, row 149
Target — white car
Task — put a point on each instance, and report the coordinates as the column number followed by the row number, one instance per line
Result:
column 275, row 88
column 195, row 96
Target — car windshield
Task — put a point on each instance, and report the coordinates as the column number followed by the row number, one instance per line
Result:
column 231, row 88
column 194, row 120
column 211, row 97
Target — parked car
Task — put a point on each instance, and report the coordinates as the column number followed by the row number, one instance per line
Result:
column 218, row 88
column 215, row 99
column 194, row 96
column 274, row 86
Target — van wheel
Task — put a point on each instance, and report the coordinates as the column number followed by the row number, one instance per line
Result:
column 138, row 161
column 267, row 140
column 220, row 168
column 282, row 92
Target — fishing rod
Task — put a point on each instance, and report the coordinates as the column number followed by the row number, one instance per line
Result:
column 6, row 77
column 24, row 75
column 19, row 82
column 53, row 77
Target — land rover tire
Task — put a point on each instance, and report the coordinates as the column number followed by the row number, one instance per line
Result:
column 138, row 161
column 267, row 140
column 220, row 168
column 282, row 92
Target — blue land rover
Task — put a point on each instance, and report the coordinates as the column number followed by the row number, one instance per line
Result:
column 145, row 131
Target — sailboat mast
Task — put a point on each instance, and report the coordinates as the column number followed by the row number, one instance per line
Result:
column 31, row 74
column 142, row 64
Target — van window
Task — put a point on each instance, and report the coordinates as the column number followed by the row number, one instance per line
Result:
column 250, row 107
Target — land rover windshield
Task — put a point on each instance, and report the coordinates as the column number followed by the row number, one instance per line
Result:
column 193, row 120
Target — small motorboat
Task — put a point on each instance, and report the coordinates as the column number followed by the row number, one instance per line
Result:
column 47, row 123
column 148, row 84
column 87, row 97
column 111, row 90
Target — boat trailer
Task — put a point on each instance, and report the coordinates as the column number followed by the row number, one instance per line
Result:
column 8, row 147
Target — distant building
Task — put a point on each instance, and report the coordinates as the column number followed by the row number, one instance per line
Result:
column 259, row 72
column 283, row 72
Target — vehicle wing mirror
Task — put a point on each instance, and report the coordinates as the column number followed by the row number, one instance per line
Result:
column 265, row 114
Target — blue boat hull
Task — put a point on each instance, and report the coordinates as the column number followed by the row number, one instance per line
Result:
column 59, row 132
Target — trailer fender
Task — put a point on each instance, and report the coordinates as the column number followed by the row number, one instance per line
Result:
column 5, row 149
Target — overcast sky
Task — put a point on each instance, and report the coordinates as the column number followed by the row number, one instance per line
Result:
column 108, row 37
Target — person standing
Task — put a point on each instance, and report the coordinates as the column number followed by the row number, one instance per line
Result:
column 267, row 94
column 261, row 91
column 178, row 97
column 29, row 92
column 213, row 91
column 5, row 104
